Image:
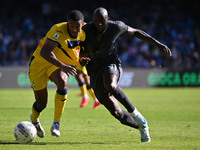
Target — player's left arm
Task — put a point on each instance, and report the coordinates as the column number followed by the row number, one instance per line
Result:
column 146, row 37
column 83, row 56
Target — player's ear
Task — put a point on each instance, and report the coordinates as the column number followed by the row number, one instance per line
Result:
column 83, row 23
column 107, row 18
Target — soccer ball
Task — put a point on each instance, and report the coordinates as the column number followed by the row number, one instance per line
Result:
column 25, row 132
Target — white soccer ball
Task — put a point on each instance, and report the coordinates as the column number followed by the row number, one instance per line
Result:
column 25, row 132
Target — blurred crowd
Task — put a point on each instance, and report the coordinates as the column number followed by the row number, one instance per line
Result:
column 176, row 24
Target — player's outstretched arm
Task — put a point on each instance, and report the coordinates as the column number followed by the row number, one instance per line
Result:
column 146, row 37
column 46, row 53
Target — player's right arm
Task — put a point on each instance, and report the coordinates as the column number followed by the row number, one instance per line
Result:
column 46, row 53
column 83, row 56
column 146, row 37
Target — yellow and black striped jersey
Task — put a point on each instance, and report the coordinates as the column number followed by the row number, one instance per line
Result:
column 68, row 48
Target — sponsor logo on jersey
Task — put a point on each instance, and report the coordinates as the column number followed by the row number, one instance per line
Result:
column 73, row 44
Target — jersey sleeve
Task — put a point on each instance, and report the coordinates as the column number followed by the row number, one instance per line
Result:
column 53, row 34
column 122, row 27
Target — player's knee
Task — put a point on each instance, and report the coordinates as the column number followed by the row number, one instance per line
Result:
column 62, row 85
column 117, row 114
column 120, row 117
column 41, row 106
column 111, row 87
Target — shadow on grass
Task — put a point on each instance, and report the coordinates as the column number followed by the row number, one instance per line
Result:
column 54, row 143
column 77, row 143
column 15, row 142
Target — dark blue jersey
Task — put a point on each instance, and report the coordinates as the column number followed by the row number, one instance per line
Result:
column 102, row 52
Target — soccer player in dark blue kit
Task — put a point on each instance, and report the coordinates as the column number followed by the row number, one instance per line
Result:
column 105, row 67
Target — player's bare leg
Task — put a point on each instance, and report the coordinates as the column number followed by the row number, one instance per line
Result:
column 110, row 83
column 122, row 115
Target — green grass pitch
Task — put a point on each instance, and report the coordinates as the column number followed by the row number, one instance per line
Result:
column 173, row 115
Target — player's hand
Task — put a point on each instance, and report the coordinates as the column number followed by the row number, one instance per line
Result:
column 69, row 70
column 164, row 48
column 84, row 61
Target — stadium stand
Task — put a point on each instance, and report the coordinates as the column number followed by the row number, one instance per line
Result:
column 175, row 23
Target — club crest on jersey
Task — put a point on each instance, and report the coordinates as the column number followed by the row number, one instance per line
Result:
column 56, row 36
column 73, row 44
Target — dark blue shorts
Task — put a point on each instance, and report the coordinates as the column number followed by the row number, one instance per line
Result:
column 97, row 83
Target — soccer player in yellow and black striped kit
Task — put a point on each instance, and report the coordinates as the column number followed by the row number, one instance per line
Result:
column 53, row 59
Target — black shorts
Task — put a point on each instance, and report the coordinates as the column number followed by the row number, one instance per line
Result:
column 97, row 83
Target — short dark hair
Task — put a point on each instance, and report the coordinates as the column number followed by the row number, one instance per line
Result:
column 75, row 15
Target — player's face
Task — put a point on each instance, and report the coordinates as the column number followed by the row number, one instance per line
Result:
column 100, row 23
column 75, row 27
